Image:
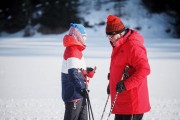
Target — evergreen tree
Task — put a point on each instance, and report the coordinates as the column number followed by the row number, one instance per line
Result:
column 13, row 16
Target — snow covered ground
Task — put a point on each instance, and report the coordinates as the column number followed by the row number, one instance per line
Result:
column 30, row 84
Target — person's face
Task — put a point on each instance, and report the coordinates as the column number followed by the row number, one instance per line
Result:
column 113, row 38
column 84, row 37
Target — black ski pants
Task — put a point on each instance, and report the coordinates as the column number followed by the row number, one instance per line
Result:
column 76, row 110
column 128, row 117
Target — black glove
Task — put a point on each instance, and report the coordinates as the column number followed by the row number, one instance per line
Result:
column 120, row 87
column 85, row 92
column 108, row 90
column 89, row 69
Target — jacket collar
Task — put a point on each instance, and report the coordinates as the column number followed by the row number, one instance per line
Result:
column 69, row 41
column 123, row 39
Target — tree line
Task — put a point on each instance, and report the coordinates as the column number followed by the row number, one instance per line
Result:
column 54, row 16
column 171, row 7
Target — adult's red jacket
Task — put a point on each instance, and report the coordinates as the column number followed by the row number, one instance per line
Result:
column 130, row 51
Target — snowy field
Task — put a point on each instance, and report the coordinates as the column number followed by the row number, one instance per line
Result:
column 30, row 68
column 30, row 84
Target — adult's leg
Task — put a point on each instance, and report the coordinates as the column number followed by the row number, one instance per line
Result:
column 72, row 110
column 137, row 116
column 83, row 114
column 128, row 117
column 122, row 117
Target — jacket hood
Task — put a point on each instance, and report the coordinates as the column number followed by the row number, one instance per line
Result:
column 71, row 41
column 136, row 36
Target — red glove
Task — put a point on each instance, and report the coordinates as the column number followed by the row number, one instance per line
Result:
column 90, row 71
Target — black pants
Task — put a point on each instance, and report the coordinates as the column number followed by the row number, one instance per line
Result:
column 128, row 117
column 76, row 110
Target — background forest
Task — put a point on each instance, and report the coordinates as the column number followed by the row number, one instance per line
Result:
column 54, row 16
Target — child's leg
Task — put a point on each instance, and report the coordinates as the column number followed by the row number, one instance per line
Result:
column 72, row 110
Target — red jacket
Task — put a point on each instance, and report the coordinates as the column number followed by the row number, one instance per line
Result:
column 71, row 78
column 130, row 51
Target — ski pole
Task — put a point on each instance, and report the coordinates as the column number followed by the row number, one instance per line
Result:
column 126, row 75
column 113, row 105
column 132, row 117
column 88, row 110
column 116, row 95
column 105, row 107
column 85, row 77
column 89, row 103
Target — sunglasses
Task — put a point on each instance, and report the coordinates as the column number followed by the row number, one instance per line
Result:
column 110, row 36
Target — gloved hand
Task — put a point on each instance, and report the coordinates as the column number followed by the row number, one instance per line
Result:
column 108, row 90
column 90, row 71
column 120, row 87
column 85, row 92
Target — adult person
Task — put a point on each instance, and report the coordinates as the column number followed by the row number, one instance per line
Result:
column 128, row 52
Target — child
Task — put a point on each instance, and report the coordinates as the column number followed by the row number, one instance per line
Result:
column 74, row 89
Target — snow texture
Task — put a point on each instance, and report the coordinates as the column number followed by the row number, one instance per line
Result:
column 30, row 69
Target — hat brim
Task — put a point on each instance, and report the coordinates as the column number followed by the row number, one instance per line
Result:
column 115, row 32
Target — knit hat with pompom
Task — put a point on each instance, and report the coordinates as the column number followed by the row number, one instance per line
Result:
column 114, row 25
